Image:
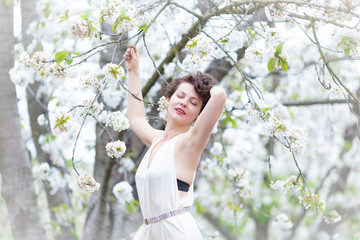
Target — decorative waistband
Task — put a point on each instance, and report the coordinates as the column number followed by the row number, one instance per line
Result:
column 163, row 216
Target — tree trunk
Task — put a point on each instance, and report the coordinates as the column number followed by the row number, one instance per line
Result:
column 104, row 216
column 36, row 108
column 17, row 185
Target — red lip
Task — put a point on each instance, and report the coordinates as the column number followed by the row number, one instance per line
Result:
column 180, row 111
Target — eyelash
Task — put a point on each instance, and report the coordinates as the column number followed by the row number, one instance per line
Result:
column 181, row 96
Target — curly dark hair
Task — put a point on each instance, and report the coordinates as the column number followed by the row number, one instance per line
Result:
column 202, row 82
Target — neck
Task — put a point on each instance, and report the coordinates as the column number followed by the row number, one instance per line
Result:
column 171, row 131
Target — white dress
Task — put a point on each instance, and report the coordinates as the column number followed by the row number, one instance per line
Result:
column 158, row 194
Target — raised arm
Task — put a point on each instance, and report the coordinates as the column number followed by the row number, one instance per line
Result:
column 135, row 108
column 207, row 119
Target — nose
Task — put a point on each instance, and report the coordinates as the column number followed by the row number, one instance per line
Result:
column 183, row 102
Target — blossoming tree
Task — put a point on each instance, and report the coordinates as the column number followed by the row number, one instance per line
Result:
column 282, row 161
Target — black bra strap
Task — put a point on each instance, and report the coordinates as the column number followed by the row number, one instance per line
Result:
column 182, row 186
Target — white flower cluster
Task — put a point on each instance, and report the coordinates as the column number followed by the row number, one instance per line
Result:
column 20, row 75
column 87, row 183
column 77, row 27
column 241, row 184
column 93, row 80
column 335, row 92
column 115, row 149
column 200, row 45
column 283, row 221
column 113, row 72
column 278, row 12
column 312, row 200
column 276, row 127
column 191, row 63
column 298, row 139
column 262, row 113
column 258, row 112
column 332, row 217
column 64, row 122
column 42, row 65
column 264, row 50
column 44, row 172
column 163, row 113
column 90, row 108
column 41, row 171
column 347, row 40
column 124, row 14
column 217, row 149
column 126, row 165
column 109, row 73
column 49, row 145
column 123, row 193
column 292, row 183
column 116, row 120
column 200, row 48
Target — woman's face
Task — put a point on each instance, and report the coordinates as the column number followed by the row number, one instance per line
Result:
column 185, row 104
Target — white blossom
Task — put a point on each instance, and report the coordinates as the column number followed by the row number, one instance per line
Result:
column 113, row 72
column 93, row 80
column 283, row 221
column 115, row 149
column 335, row 92
column 63, row 123
column 41, row 120
column 298, row 139
column 216, row 149
column 278, row 12
column 258, row 112
column 125, row 15
column 312, row 200
column 41, row 171
column 278, row 185
column 87, row 183
column 201, row 45
column 348, row 40
column 162, row 107
column 56, row 180
column 240, row 182
column 332, row 217
column 41, row 64
column 123, row 193
column 77, row 27
column 116, row 120
column 90, row 108
column 229, row 104
column 192, row 62
column 126, row 165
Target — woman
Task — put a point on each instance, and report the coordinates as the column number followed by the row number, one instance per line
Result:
column 165, row 175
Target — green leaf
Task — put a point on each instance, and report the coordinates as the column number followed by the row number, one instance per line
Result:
column 144, row 27
column 87, row 14
column 69, row 60
column 347, row 51
column 278, row 50
column 224, row 40
column 76, row 53
column 283, row 64
column 65, row 17
column 271, row 64
column 61, row 56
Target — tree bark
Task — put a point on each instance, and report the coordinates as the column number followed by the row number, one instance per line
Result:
column 104, row 216
column 17, row 185
column 36, row 108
